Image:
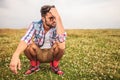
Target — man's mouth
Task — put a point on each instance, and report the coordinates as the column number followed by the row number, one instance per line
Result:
column 54, row 23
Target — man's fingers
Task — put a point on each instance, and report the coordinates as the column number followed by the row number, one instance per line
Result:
column 19, row 65
column 15, row 64
column 54, row 12
column 13, row 69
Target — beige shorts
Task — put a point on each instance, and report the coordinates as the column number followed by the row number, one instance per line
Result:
column 45, row 55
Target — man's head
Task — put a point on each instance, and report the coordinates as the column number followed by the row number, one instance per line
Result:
column 47, row 18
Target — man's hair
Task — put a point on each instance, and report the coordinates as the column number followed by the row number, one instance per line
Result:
column 45, row 9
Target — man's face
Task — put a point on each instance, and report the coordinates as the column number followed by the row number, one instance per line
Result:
column 49, row 20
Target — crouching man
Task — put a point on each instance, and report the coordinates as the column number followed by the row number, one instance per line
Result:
column 44, row 42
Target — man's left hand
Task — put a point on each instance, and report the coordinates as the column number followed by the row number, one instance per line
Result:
column 54, row 12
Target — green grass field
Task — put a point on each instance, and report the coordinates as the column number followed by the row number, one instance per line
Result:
column 89, row 55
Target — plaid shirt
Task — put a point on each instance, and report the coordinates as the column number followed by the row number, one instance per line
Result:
column 36, row 34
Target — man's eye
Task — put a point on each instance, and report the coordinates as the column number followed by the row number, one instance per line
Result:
column 51, row 18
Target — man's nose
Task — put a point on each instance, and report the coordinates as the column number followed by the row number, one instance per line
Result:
column 54, row 20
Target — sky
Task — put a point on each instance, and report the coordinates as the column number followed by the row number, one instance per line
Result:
column 75, row 14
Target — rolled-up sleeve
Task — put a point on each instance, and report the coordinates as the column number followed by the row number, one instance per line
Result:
column 62, row 37
column 28, row 36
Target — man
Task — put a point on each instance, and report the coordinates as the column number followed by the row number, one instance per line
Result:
column 43, row 42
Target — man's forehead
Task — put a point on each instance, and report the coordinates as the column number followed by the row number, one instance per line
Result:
column 49, row 14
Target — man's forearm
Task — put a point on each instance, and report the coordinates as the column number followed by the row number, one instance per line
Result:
column 21, row 47
column 60, row 28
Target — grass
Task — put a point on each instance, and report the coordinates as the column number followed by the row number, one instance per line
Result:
column 89, row 55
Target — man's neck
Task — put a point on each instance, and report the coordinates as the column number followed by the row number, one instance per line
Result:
column 46, row 28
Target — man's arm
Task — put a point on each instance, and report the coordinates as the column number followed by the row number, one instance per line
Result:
column 15, row 61
column 61, row 34
column 60, row 28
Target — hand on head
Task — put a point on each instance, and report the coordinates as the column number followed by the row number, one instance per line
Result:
column 54, row 12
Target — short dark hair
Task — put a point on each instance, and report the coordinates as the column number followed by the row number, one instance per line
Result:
column 45, row 9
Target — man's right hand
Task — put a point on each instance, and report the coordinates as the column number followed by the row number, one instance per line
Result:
column 15, row 64
column 15, row 61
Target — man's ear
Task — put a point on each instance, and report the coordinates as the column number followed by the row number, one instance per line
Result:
column 43, row 19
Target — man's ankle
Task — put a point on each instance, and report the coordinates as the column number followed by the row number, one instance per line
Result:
column 34, row 63
column 54, row 63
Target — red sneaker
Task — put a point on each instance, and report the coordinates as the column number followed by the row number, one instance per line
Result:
column 32, row 69
column 56, row 70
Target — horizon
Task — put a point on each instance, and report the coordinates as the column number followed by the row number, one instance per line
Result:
column 68, row 28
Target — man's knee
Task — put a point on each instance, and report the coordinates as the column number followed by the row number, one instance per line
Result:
column 61, row 46
column 26, row 51
column 30, row 49
column 58, row 48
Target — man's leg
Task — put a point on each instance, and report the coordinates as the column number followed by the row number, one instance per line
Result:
column 58, row 51
column 31, row 54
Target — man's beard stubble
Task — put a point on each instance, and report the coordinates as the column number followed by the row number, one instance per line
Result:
column 50, row 25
